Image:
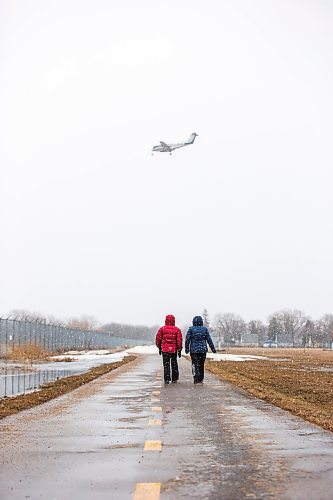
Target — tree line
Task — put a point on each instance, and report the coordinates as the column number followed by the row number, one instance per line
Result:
column 126, row 331
column 290, row 327
column 284, row 327
column 89, row 323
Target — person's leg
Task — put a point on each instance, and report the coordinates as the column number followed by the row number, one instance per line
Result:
column 202, row 367
column 174, row 367
column 195, row 367
column 166, row 366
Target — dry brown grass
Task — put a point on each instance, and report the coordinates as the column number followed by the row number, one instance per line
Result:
column 313, row 356
column 301, row 383
column 51, row 390
column 27, row 352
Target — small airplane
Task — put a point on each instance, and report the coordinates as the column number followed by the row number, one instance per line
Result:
column 168, row 148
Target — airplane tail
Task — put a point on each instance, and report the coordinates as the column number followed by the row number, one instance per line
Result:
column 191, row 139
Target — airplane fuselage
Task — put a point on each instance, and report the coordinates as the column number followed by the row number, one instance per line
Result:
column 163, row 147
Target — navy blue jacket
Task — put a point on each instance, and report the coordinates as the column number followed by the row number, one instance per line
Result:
column 197, row 337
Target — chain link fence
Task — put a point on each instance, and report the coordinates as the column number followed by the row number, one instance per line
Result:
column 55, row 338
column 17, row 377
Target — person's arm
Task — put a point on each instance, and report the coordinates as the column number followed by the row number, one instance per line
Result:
column 159, row 338
column 210, row 342
column 179, row 342
column 188, row 341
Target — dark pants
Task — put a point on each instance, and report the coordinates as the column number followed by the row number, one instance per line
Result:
column 198, row 366
column 167, row 358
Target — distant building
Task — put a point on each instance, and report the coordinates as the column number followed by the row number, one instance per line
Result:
column 249, row 340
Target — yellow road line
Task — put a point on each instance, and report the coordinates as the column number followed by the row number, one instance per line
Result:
column 155, row 400
column 147, row 491
column 154, row 421
column 156, row 393
column 153, row 446
column 156, row 408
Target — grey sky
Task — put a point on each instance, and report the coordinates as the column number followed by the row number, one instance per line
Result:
column 241, row 221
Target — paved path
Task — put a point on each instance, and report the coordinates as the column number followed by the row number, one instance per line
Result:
column 126, row 436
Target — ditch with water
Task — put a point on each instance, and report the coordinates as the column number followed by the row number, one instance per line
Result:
column 16, row 379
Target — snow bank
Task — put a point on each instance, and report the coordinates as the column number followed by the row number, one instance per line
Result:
column 102, row 355
column 143, row 349
column 84, row 360
column 232, row 357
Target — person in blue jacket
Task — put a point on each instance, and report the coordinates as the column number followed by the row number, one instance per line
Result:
column 196, row 344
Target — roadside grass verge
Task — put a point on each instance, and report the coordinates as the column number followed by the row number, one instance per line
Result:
column 302, row 383
column 51, row 390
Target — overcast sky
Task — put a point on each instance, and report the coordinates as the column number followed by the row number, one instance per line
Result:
column 240, row 222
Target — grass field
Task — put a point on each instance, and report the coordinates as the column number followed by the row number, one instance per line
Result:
column 298, row 380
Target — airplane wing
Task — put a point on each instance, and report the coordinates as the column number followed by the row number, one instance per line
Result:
column 165, row 146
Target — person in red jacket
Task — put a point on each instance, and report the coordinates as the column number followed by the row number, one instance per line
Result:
column 170, row 343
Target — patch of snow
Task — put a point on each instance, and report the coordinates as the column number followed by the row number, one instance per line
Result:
column 143, row 349
column 232, row 357
column 103, row 356
column 83, row 361
column 152, row 349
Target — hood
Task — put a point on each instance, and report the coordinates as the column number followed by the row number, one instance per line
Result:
column 197, row 321
column 170, row 320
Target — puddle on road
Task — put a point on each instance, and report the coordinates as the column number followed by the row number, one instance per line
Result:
column 132, row 419
column 128, row 397
column 122, row 446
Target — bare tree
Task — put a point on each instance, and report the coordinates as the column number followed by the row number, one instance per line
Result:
column 324, row 330
column 275, row 329
column 257, row 327
column 308, row 333
column 83, row 323
column 25, row 314
column 131, row 331
column 205, row 317
column 229, row 328
column 291, row 323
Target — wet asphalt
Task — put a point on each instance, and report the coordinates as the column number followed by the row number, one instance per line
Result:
column 209, row 441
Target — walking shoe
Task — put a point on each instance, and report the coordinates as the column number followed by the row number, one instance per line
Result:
column 166, row 382
column 174, row 381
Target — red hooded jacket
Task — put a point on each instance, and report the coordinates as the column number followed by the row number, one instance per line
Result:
column 169, row 337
